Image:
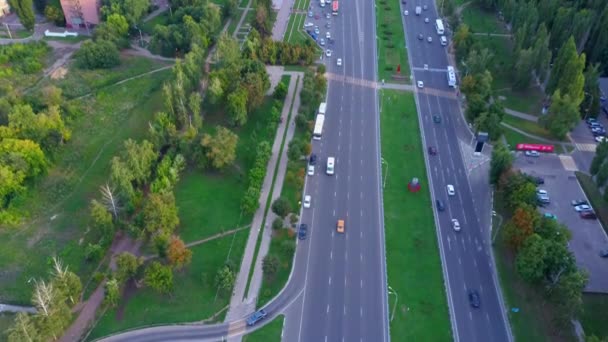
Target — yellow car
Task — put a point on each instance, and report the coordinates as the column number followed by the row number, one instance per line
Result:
column 340, row 226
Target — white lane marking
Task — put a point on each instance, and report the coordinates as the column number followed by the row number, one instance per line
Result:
column 361, row 314
column 329, row 282
column 344, row 310
column 470, row 315
column 346, row 256
column 327, row 311
column 347, row 195
column 334, row 212
column 449, row 243
column 459, row 261
column 361, row 258
column 361, row 283
column 331, row 255
column 335, row 193
column 475, row 263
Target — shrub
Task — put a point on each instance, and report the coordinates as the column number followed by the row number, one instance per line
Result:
column 277, row 223
column 281, row 207
column 280, row 91
column 93, row 252
column 101, row 54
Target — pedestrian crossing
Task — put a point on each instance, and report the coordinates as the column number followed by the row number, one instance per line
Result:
column 585, row 147
column 568, row 163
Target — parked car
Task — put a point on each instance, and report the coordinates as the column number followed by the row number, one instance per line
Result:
column 576, row 202
column 302, row 231
column 532, row 153
column 420, row 84
column 256, row 317
column 600, row 138
column 339, row 62
column 474, row 298
column 550, row 216
column 542, row 192
column 543, row 199
column 307, row 200
column 313, row 159
column 590, row 120
column 311, row 170
column 604, row 253
column 588, row 215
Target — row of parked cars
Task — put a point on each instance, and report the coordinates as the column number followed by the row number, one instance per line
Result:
column 597, row 129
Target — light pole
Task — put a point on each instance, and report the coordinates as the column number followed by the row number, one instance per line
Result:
column 386, row 175
column 141, row 39
column 391, row 291
column 495, row 214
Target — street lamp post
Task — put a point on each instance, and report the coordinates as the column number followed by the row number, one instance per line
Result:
column 391, row 291
column 141, row 39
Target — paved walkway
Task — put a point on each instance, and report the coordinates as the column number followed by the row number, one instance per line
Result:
column 521, row 115
column 506, row 35
column 280, row 24
column 16, row 308
column 239, row 305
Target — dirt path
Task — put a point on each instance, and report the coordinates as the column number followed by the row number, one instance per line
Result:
column 122, row 243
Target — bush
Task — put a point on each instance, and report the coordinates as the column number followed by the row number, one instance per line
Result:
column 321, row 68
column 281, row 207
column 93, row 252
column 277, row 223
column 288, row 247
column 280, row 91
column 101, row 54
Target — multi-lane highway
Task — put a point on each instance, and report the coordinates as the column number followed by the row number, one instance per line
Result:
column 345, row 296
column 465, row 254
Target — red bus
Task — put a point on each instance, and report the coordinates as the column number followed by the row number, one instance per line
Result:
column 535, row 147
column 334, row 8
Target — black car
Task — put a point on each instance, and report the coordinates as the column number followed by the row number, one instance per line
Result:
column 432, row 150
column 604, row 253
column 302, row 231
column 313, row 159
column 539, row 180
column 474, row 298
column 420, row 37
column 440, row 205
column 436, row 118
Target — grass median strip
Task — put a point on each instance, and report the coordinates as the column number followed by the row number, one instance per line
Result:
column 413, row 263
column 391, row 41
column 271, row 332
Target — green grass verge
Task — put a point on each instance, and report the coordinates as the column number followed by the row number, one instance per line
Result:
column 595, row 311
column 528, row 126
column 235, row 21
column 529, row 101
column 413, row 263
column 295, row 29
column 534, row 320
column 285, row 79
column 391, row 41
column 481, row 21
column 271, row 332
column 595, row 197
column 194, row 297
column 513, row 138
column 57, row 205
column 271, row 286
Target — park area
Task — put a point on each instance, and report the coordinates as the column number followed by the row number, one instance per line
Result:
column 413, row 265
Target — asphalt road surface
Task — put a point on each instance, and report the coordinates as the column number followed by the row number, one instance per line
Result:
column 465, row 254
column 345, row 293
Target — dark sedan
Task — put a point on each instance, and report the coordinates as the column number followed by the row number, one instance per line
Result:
column 302, row 231
column 474, row 298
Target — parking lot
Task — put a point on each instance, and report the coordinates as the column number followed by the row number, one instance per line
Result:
column 588, row 237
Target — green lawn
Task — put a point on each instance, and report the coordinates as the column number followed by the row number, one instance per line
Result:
column 271, row 287
column 595, row 311
column 391, row 41
column 209, row 203
column 481, row 21
column 527, row 126
column 413, row 263
column 72, row 40
column 595, row 197
column 56, row 208
column 269, row 333
column 514, row 138
column 78, row 82
column 161, row 19
column 534, row 321
column 194, row 297
column 529, row 101
column 295, row 29
column 6, row 320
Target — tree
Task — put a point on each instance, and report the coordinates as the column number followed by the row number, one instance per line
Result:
column 133, row 10
column 112, row 293
column 567, row 73
column 281, row 207
column 23, row 156
column 237, row 107
column 25, row 12
column 115, row 29
column 54, row 14
column 523, row 69
column 67, row 283
column 23, row 329
column 101, row 54
column 563, row 115
column 160, row 214
column 530, row 260
column 228, row 51
column 270, row 266
column 224, row 279
column 178, row 254
column 567, row 295
column 280, row 91
column 518, row 230
column 220, row 147
column 159, row 277
column 277, row 223
column 109, row 200
column 463, row 40
column 500, row 162
column 127, row 266
column 520, row 192
column 102, row 219
column 294, row 150
column 478, row 62
column 194, row 104
column 591, row 103
column 215, row 91
column 288, row 247
column 51, row 96
column 541, row 52
column 602, row 176
column 601, row 152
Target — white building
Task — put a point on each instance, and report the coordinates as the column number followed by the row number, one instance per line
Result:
column 4, row 8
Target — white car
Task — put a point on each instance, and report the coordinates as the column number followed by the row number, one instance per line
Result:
column 328, row 16
column 322, row 42
column 331, row 163
column 339, row 62
column 542, row 192
column 582, row 207
column 311, row 170
column 456, row 225
column 307, row 201
column 532, row 153
column 426, row 20
column 444, row 40
column 327, row 35
column 309, row 25
column 600, row 139
column 451, row 190
column 328, row 53
column 420, row 84
column 406, row 12
column 429, row 39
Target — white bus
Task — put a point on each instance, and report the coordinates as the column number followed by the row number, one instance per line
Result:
column 439, row 26
column 316, row 134
column 322, row 108
column 451, row 76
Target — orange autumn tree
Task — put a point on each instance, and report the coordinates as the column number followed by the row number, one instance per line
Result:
column 177, row 253
column 521, row 226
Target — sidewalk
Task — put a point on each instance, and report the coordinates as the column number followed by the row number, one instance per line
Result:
column 521, row 115
column 239, row 306
column 282, row 20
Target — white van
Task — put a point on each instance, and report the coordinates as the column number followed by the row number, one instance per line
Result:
column 418, row 10
column 330, row 165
